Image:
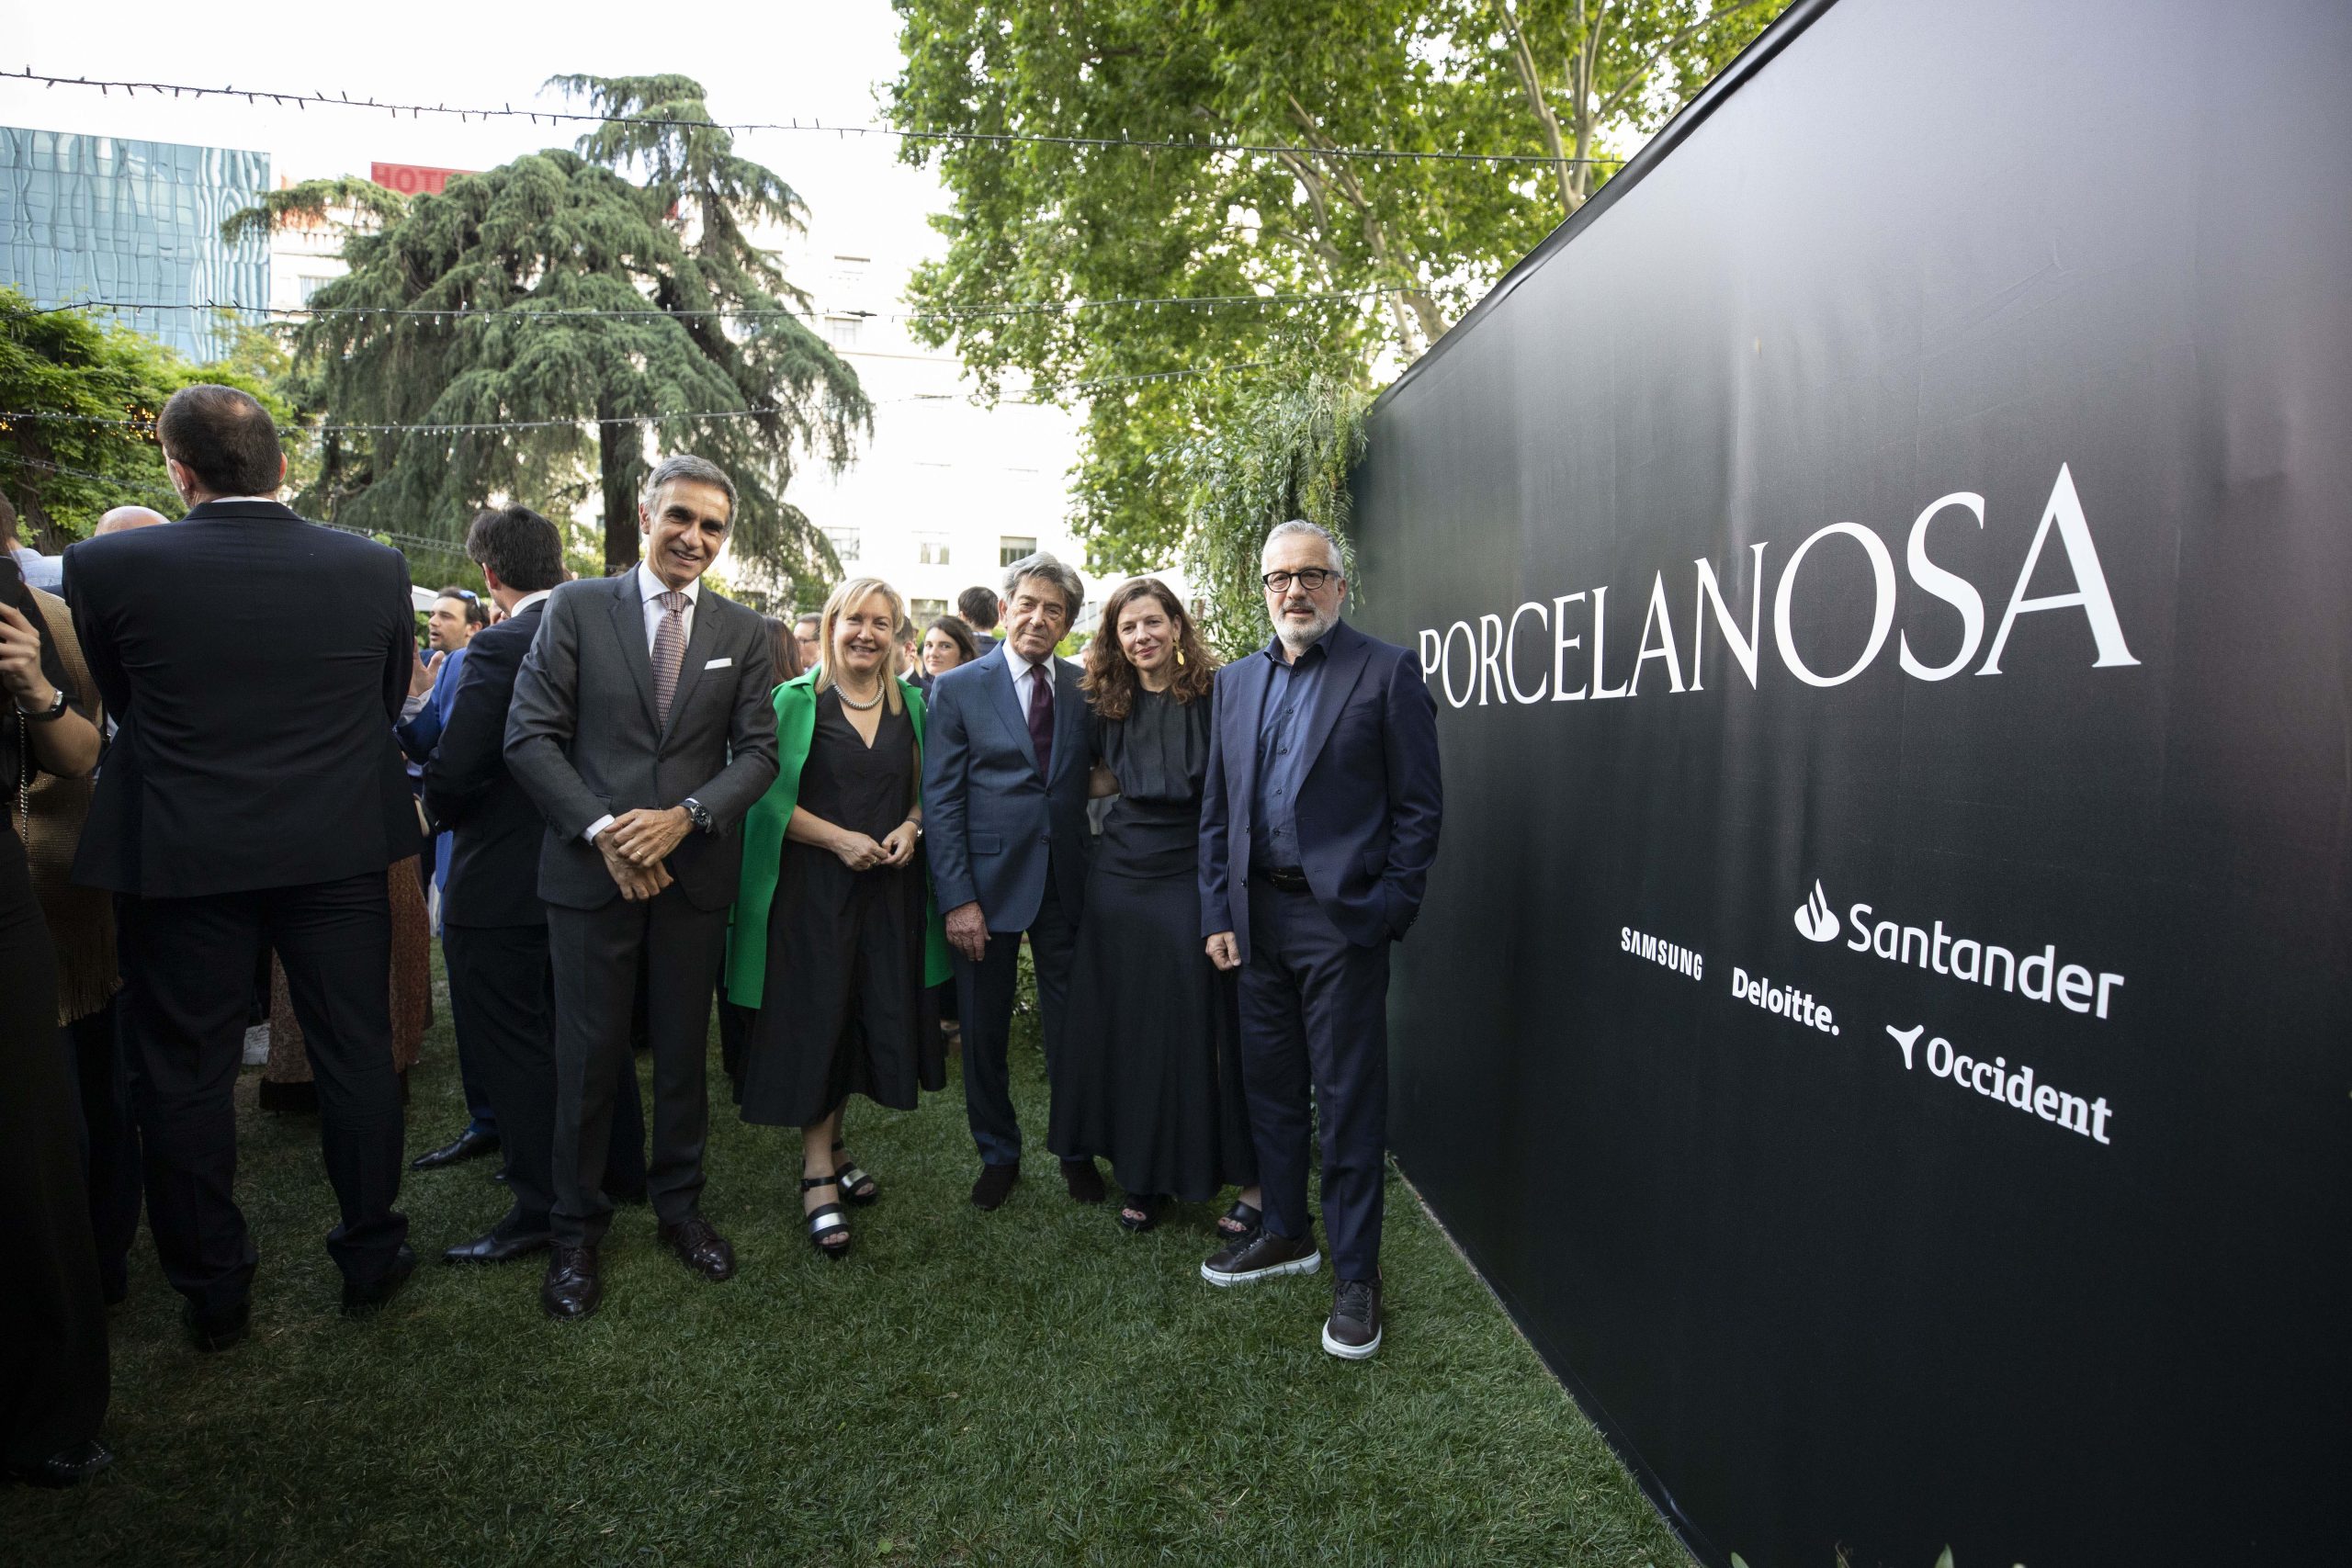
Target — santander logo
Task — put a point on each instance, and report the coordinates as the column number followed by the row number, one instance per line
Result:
column 1815, row 920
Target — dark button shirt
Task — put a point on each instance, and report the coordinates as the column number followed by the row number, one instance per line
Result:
column 1282, row 760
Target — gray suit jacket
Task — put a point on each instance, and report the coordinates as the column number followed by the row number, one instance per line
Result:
column 581, row 739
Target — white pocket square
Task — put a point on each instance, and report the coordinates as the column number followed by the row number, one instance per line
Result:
column 718, row 664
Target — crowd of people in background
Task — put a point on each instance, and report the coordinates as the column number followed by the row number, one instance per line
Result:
column 632, row 803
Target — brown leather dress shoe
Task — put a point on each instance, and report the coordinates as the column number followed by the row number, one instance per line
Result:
column 572, row 1288
column 701, row 1248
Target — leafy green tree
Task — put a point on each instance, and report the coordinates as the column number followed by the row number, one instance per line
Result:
column 524, row 248
column 1548, row 79
column 64, row 473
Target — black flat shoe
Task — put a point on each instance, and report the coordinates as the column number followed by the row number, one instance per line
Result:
column 69, row 1467
column 1140, row 1212
column 495, row 1247
column 215, row 1332
column 467, row 1145
column 994, row 1186
column 366, row 1301
column 828, row 1229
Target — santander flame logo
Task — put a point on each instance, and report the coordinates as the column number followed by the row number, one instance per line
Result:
column 1815, row 920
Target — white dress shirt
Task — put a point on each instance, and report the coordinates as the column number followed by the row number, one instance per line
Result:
column 1025, row 677
column 649, row 590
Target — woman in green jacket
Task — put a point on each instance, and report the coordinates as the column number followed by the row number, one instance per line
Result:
column 836, row 936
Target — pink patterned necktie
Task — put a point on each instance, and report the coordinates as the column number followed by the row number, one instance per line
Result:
column 668, row 650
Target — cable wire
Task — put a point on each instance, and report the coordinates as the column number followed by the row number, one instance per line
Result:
column 573, row 116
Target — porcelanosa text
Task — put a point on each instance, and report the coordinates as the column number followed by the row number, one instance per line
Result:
column 1502, row 661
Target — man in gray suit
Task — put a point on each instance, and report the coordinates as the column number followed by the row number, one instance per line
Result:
column 642, row 728
column 1004, row 774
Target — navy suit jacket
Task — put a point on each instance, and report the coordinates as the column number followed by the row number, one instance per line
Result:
column 1368, row 810
column 991, row 823
column 256, row 664
column 494, row 829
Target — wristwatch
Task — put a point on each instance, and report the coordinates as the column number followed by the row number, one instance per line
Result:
column 699, row 814
column 55, row 710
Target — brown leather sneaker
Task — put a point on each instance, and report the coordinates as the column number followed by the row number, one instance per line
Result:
column 1353, row 1331
column 1261, row 1254
column 700, row 1248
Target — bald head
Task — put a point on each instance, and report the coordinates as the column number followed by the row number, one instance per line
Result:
column 122, row 518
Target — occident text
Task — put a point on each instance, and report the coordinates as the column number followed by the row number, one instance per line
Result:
column 1997, row 1082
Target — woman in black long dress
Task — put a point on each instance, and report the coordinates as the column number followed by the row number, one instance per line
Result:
column 53, row 1374
column 1154, row 1074
column 845, row 906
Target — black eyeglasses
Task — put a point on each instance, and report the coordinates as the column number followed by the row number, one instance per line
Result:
column 1312, row 580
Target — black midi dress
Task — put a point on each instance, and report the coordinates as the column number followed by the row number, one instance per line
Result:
column 843, row 1008
column 1154, row 1072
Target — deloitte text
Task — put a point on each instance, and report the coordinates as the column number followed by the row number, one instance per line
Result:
column 1490, row 663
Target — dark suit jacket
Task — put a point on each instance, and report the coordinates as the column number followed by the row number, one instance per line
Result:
column 494, row 829
column 989, row 820
column 1368, row 810
column 582, row 738
column 256, row 664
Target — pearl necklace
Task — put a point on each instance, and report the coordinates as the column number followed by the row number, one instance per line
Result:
column 849, row 701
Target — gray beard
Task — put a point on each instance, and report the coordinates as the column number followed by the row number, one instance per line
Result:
column 1299, row 640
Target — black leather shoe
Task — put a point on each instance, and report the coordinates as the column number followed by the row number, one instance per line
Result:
column 573, row 1287
column 1353, row 1331
column 364, row 1301
column 1261, row 1254
column 470, row 1144
column 994, row 1186
column 69, row 1467
column 216, row 1331
column 701, row 1248
column 1084, row 1179
column 497, row 1247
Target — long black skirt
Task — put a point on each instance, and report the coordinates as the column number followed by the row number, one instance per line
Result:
column 843, row 1009
column 53, row 1374
column 1153, row 1077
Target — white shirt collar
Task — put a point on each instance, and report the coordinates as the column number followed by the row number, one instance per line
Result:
column 1020, row 666
column 650, row 587
column 526, row 601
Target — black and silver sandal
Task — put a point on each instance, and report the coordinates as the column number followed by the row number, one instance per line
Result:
column 1241, row 1221
column 1146, row 1206
column 826, row 1220
column 857, row 1187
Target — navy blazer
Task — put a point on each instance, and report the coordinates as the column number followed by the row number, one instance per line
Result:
column 494, row 828
column 990, row 821
column 1368, row 809
column 254, row 664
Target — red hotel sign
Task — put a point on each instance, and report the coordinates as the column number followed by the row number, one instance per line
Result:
column 411, row 179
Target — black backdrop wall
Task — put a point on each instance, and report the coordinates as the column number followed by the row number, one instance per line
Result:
column 1881, row 1018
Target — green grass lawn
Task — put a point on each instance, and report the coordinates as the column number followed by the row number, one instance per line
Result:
column 1028, row 1386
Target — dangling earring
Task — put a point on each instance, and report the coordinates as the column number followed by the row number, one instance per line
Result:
column 1179, row 657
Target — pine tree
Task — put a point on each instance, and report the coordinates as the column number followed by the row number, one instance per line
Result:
column 467, row 313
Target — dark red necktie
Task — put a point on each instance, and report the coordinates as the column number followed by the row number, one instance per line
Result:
column 1041, row 718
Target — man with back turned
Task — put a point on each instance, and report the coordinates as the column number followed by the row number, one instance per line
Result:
column 252, row 796
column 642, row 728
column 1318, row 824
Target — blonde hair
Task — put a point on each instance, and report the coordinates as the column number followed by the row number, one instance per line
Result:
column 846, row 598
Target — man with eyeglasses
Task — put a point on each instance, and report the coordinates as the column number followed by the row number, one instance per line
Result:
column 1318, row 824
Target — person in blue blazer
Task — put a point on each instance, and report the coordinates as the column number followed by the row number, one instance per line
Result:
column 1318, row 824
column 1004, row 778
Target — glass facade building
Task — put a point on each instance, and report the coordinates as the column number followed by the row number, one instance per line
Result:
column 104, row 218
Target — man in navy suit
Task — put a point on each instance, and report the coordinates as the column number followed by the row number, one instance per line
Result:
column 1004, row 801
column 494, row 922
column 1318, row 822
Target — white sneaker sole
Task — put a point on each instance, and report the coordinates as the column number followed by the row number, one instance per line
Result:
column 1349, row 1352
column 1306, row 1265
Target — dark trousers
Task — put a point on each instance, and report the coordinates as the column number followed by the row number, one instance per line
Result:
column 984, row 993
column 187, row 963
column 109, row 1141
column 596, row 954
column 473, row 1078
column 1315, row 1015
column 502, row 993
column 53, row 1371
